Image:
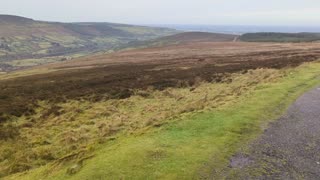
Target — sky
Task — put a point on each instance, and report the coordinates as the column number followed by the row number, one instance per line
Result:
column 205, row 12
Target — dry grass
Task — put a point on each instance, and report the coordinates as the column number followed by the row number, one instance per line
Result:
column 57, row 131
column 23, row 73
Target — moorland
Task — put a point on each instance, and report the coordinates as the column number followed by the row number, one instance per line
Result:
column 173, row 107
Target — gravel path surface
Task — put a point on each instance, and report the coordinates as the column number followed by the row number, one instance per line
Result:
column 288, row 149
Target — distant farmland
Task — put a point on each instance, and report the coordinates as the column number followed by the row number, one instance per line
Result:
column 26, row 42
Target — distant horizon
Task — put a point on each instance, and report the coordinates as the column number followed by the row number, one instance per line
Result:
column 213, row 28
column 202, row 12
column 166, row 24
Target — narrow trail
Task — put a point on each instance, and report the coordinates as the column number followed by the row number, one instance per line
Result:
column 236, row 39
column 288, row 149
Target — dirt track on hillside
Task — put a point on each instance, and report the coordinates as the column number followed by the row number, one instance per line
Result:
column 288, row 149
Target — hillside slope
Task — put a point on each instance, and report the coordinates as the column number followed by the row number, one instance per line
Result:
column 183, row 38
column 199, row 36
column 157, row 113
column 32, row 42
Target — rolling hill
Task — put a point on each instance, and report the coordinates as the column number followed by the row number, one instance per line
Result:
column 27, row 42
column 182, row 38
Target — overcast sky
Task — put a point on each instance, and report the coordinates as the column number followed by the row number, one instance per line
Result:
column 210, row 12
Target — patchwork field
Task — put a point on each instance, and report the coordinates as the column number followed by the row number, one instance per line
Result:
column 183, row 103
column 23, row 39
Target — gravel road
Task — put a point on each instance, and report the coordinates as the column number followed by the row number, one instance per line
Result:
column 288, row 149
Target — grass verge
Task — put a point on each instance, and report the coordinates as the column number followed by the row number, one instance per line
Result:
column 196, row 145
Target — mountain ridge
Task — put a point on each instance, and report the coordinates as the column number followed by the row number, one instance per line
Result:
column 7, row 17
